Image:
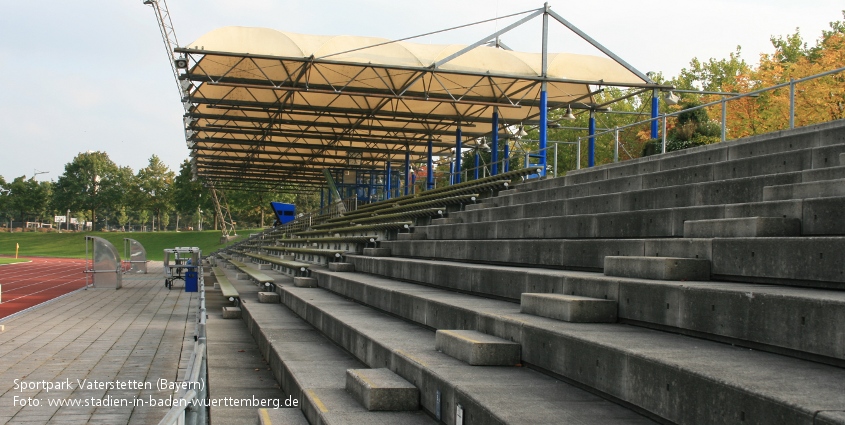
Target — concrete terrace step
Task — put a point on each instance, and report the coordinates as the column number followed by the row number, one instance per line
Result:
column 476, row 348
column 817, row 189
column 793, row 321
column 747, row 227
column 822, row 216
column 313, row 369
column 569, row 308
column 381, row 389
column 489, row 395
column 657, row 268
column 819, row 135
column 747, row 385
column 805, row 261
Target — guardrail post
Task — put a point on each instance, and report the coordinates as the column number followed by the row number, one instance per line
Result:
column 578, row 155
column 724, row 119
column 494, row 149
column 791, row 103
column 591, row 146
column 556, row 159
column 616, row 144
column 664, row 132
column 430, row 175
column 458, row 135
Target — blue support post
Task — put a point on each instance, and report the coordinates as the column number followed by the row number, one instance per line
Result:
column 407, row 170
column 414, row 183
column 477, row 163
column 655, row 111
column 388, row 186
column 591, row 147
column 494, row 149
column 544, row 124
column 430, row 176
column 458, row 135
column 451, row 173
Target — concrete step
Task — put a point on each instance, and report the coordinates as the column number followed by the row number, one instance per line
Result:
column 268, row 297
column 829, row 173
column 745, row 227
column 476, row 348
column 804, row 261
column 842, row 159
column 509, row 192
column 377, row 252
column 478, row 206
column 341, row 267
column 569, row 308
column 417, row 234
column 495, row 395
column 657, row 268
column 819, row 189
column 445, row 220
column 312, row 369
column 621, row 361
column 381, row 389
column 789, row 320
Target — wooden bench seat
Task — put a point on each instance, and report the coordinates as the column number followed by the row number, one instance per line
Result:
column 255, row 275
column 229, row 291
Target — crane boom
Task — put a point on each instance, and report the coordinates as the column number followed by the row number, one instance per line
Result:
column 168, row 36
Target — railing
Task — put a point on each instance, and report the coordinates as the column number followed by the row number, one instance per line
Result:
column 184, row 411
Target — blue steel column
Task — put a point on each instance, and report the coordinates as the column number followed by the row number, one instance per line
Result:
column 544, row 122
column 451, row 173
column 389, row 182
column 655, row 111
column 591, row 147
column 407, row 170
column 430, row 176
column 494, row 149
column 458, row 136
column 477, row 163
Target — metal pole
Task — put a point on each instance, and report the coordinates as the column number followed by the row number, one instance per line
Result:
column 451, row 172
column 388, row 186
column 664, row 133
column 494, row 150
column 506, row 161
column 407, row 169
column 477, row 163
column 556, row 159
column 591, row 146
column 578, row 155
column 616, row 144
column 655, row 110
column 430, row 175
column 724, row 119
column 544, row 99
column 458, row 135
column 791, row 103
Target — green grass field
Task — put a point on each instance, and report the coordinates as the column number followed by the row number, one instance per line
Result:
column 12, row 260
column 72, row 245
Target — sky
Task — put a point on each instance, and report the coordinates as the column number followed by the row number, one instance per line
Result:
column 93, row 74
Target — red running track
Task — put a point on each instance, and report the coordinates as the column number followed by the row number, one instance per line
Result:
column 27, row 284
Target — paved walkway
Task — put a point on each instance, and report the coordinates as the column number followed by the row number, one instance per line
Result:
column 132, row 337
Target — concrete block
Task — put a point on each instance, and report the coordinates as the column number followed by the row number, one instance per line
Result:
column 829, row 173
column 589, row 254
column 473, row 207
column 678, row 177
column 268, row 297
column 658, row 268
column 747, row 227
column 242, row 276
column 569, row 308
column 231, row 312
column 820, row 189
column 806, row 261
column 827, row 156
column 265, row 267
column 377, row 252
column 445, row 220
column 305, row 282
column 635, row 224
column 680, row 248
column 476, row 348
column 508, row 192
column 341, row 267
column 418, row 234
column 784, row 209
column 381, row 389
column 842, row 159
column 823, row 216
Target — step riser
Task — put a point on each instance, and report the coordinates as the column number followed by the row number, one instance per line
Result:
column 737, row 258
column 623, row 375
column 771, row 319
column 819, row 189
column 657, row 268
column 752, row 227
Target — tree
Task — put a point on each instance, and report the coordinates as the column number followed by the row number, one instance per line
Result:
column 156, row 183
column 90, row 182
column 29, row 199
column 188, row 194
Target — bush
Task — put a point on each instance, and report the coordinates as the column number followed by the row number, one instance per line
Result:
column 653, row 147
column 710, row 129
